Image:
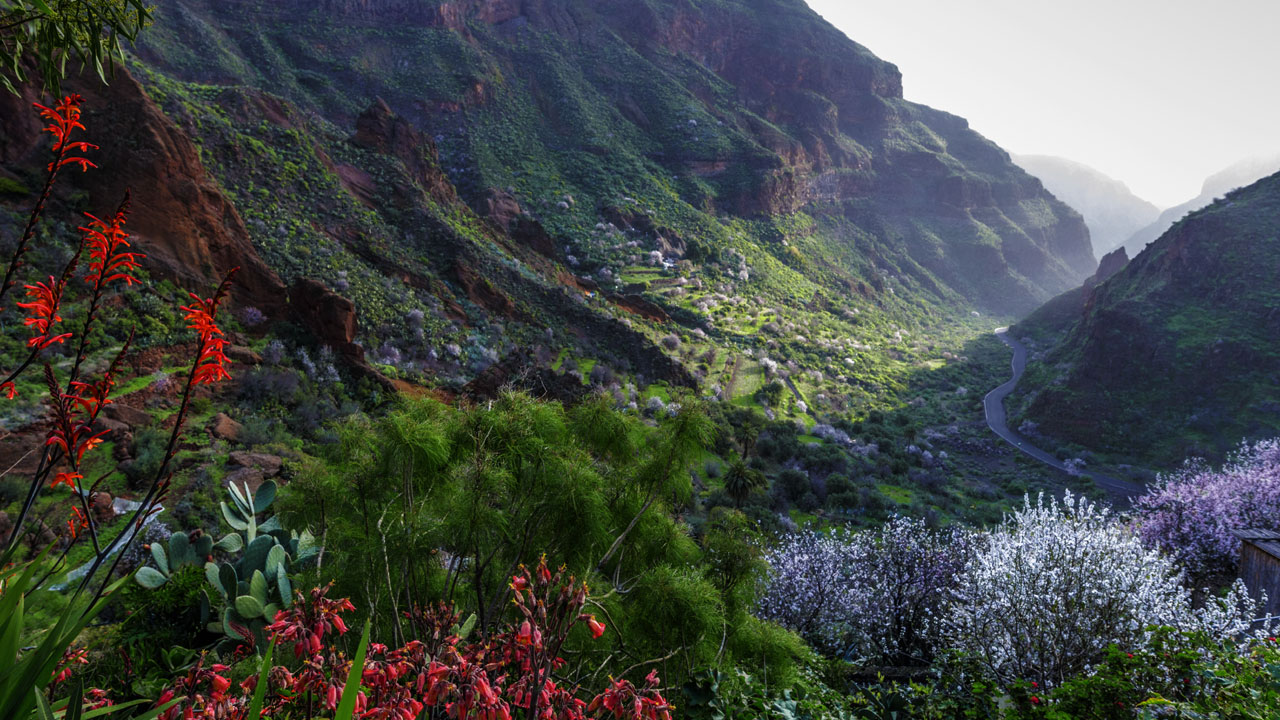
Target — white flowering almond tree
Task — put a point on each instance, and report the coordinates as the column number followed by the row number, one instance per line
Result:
column 1056, row 583
column 866, row 595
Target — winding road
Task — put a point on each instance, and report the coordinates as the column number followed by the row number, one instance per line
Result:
column 993, row 405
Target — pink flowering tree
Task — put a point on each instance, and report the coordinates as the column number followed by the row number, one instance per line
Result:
column 1191, row 513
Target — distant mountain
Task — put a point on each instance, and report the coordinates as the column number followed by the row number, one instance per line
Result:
column 1179, row 351
column 1111, row 211
column 1237, row 175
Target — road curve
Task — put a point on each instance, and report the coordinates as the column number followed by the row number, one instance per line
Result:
column 993, row 405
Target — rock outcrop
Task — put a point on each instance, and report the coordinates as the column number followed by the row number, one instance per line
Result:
column 180, row 218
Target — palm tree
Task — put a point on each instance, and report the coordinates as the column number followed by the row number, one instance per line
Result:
column 740, row 480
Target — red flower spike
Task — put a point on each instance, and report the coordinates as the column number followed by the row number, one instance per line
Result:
column 210, row 362
column 64, row 119
column 43, row 310
column 105, row 241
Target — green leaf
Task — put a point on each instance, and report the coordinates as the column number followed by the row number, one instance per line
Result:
column 202, row 547
column 211, row 576
column 275, row 558
column 230, row 543
column 269, row 612
column 347, row 705
column 286, row 590
column 180, row 550
column 150, row 578
column 258, row 587
column 157, row 553
column 149, row 715
column 229, row 579
column 235, row 521
column 265, row 496
column 467, row 626
column 75, row 700
column 248, row 607
column 12, row 632
column 255, row 556
column 259, row 691
column 46, row 712
column 241, row 499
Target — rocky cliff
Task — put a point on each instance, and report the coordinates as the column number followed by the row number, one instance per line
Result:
column 750, row 109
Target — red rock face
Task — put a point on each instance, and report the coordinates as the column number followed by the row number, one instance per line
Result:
column 181, row 220
column 381, row 130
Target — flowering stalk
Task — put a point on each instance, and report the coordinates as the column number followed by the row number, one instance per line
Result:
column 64, row 120
column 109, row 261
column 206, row 367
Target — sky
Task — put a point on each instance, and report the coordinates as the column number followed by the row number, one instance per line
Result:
column 1158, row 94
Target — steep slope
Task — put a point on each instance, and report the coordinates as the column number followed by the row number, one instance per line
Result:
column 1111, row 211
column 1238, row 175
column 1177, row 351
column 724, row 107
column 628, row 194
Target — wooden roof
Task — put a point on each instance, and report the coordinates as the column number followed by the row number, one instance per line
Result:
column 1256, row 534
column 1268, row 541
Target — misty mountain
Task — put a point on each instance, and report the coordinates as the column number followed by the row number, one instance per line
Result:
column 1111, row 211
column 1238, row 175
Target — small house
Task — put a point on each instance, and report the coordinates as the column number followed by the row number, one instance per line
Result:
column 1260, row 565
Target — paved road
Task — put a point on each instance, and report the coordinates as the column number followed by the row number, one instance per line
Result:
column 993, row 404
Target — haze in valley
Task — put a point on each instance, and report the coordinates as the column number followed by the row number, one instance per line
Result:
column 1159, row 94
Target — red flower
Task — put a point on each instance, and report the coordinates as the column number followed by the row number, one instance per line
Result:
column 597, row 627
column 64, row 119
column 66, row 478
column 105, row 241
column 47, row 298
column 1035, row 700
column 77, row 522
column 210, row 362
column 9, row 389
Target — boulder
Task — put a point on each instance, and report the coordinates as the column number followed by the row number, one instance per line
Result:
column 224, row 428
column 114, row 429
column 131, row 416
column 100, row 504
column 251, row 476
column 268, row 464
column 242, row 354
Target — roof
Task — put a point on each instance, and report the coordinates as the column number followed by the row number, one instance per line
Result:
column 1267, row 541
column 1256, row 534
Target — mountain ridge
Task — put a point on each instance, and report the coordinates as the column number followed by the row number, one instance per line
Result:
column 1173, row 354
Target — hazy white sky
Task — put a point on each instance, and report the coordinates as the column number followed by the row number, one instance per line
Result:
column 1156, row 93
